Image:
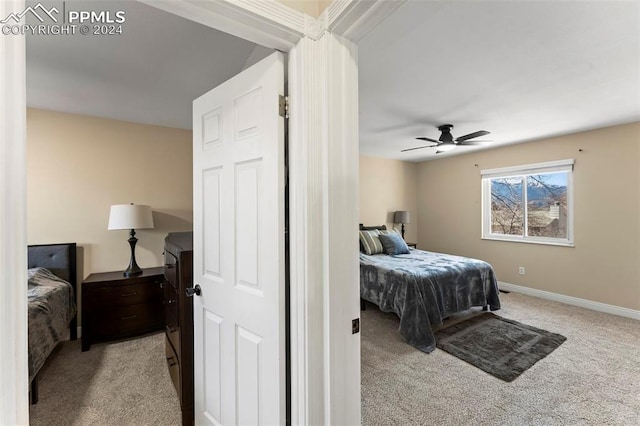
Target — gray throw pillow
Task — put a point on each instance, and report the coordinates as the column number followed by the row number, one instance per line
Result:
column 393, row 243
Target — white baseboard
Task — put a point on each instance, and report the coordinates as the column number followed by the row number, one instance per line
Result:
column 570, row 300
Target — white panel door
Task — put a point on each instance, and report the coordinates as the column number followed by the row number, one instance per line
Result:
column 239, row 317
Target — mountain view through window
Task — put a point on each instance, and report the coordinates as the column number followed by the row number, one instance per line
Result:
column 543, row 204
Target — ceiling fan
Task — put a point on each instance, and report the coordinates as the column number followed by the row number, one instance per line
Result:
column 446, row 142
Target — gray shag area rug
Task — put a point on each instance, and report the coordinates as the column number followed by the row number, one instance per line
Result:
column 503, row 348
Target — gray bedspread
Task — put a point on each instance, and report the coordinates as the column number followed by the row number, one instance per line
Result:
column 423, row 288
column 51, row 308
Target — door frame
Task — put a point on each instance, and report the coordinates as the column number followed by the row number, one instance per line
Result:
column 322, row 79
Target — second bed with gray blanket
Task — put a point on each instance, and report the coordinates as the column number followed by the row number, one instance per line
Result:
column 423, row 288
column 51, row 308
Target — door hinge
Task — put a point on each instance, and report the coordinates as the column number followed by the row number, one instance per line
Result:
column 283, row 105
column 355, row 326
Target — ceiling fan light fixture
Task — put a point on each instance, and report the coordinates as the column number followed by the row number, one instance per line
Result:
column 447, row 146
column 446, row 141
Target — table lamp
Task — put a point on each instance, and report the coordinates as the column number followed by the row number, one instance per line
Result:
column 402, row 217
column 131, row 216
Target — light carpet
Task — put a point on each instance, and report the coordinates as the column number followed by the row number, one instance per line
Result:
column 119, row 383
column 593, row 378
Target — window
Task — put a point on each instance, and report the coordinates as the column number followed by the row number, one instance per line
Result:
column 531, row 203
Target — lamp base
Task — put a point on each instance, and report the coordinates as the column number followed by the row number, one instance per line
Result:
column 133, row 269
column 132, row 272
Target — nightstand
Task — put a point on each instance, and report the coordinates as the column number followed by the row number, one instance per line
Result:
column 115, row 306
column 414, row 245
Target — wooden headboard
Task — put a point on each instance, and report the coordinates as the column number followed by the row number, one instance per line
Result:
column 61, row 260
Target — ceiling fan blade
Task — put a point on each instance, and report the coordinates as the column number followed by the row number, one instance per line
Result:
column 419, row 147
column 472, row 135
column 469, row 143
column 428, row 139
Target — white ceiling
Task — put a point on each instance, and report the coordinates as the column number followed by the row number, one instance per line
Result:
column 523, row 70
column 149, row 74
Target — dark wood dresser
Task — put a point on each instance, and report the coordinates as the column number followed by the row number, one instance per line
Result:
column 115, row 306
column 178, row 272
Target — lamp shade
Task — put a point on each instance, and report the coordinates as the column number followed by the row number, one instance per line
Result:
column 130, row 216
column 401, row 217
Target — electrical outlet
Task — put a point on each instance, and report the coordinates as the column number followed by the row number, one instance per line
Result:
column 355, row 326
column 521, row 270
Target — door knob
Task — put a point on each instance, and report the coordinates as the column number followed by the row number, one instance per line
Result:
column 193, row 290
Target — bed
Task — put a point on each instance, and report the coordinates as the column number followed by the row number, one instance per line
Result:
column 51, row 303
column 423, row 288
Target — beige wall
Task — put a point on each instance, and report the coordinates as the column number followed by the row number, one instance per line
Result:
column 387, row 186
column 604, row 265
column 310, row 7
column 78, row 166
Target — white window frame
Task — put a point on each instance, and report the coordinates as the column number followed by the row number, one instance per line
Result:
column 521, row 172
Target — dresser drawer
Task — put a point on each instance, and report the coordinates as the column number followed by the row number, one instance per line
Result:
column 128, row 319
column 174, row 369
column 172, row 329
column 173, row 336
column 171, row 269
column 131, row 294
column 171, row 301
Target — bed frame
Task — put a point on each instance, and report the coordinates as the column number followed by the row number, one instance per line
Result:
column 60, row 259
